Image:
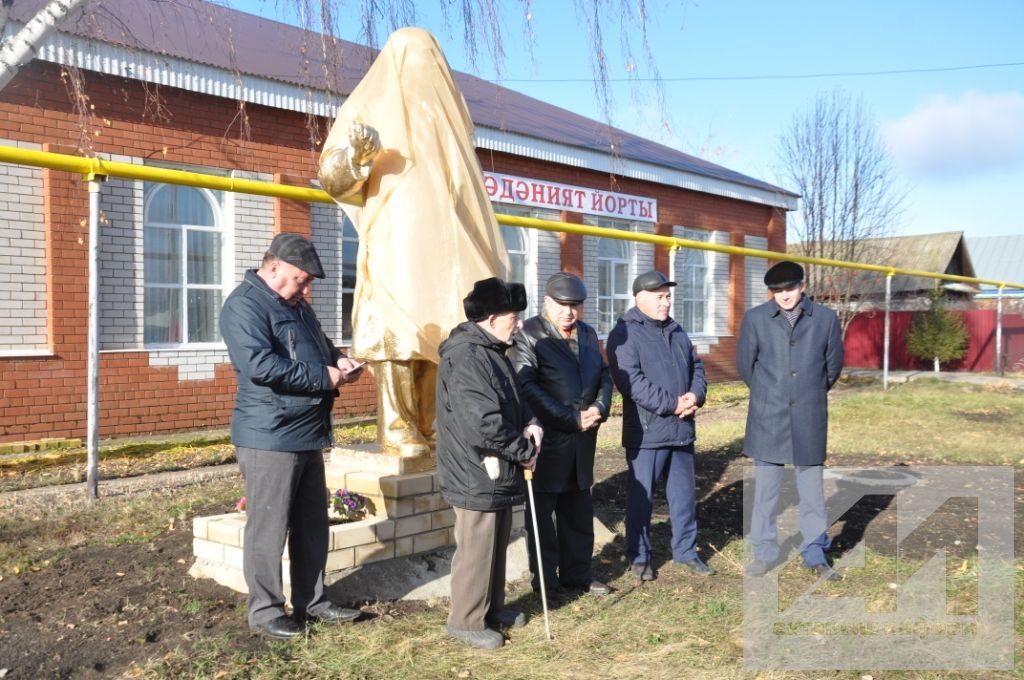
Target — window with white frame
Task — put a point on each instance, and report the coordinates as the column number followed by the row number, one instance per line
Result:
column 691, row 275
column 517, row 244
column 614, row 272
column 183, row 264
column 349, row 250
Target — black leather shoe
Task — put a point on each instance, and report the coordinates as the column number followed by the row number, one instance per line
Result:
column 506, row 618
column 697, row 566
column 334, row 614
column 643, row 571
column 598, row 588
column 281, row 628
column 826, row 572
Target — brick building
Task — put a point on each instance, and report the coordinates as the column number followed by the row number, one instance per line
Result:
column 189, row 85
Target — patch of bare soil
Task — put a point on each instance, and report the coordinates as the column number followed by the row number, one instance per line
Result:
column 101, row 609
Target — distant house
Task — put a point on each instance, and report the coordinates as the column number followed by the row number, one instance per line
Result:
column 945, row 253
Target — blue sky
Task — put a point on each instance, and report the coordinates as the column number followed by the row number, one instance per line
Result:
column 956, row 137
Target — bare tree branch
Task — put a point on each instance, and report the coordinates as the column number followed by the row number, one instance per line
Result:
column 834, row 156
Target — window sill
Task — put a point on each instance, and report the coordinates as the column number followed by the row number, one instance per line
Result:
column 26, row 354
column 195, row 347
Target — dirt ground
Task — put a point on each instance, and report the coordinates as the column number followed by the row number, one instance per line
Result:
column 99, row 611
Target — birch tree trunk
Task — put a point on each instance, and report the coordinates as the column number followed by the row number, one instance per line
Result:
column 23, row 46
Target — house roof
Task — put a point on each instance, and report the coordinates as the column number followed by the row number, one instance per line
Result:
column 206, row 47
column 944, row 253
column 998, row 257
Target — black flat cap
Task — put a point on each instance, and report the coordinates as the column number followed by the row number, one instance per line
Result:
column 566, row 287
column 784, row 274
column 493, row 296
column 652, row 280
column 298, row 252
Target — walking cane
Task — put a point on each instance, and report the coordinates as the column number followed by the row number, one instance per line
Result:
column 528, row 474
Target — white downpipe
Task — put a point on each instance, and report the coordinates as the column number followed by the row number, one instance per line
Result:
column 93, row 369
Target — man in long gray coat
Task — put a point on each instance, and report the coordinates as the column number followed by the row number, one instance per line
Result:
column 790, row 354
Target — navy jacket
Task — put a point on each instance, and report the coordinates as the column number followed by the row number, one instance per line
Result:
column 280, row 355
column 789, row 372
column 558, row 385
column 653, row 363
column 479, row 413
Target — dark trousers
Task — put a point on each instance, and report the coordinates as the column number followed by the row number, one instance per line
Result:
column 646, row 466
column 565, row 524
column 768, row 479
column 285, row 500
column 478, row 566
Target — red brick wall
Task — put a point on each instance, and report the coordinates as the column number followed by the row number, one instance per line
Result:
column 47, row 397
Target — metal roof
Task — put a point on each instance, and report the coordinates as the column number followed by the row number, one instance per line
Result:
column 203, row 47
column 999, row 257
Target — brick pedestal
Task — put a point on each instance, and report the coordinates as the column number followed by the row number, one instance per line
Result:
column 405, row 516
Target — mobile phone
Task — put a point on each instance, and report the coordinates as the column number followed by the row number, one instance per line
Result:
column 355, row 370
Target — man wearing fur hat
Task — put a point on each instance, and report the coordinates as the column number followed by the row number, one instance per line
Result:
column 565, row 380
column 790, row 354
column 485, row 434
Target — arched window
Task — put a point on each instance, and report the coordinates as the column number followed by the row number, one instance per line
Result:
column 614, row 274
column 692, row 276
column 517, row 245
column 183, row 264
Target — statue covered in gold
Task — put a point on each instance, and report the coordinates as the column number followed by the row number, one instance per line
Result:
column 427, row 231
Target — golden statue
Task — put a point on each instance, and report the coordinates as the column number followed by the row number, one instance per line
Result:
column 427, row 231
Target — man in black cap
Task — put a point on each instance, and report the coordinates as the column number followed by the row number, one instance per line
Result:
column 790, row 354
column 565, row 380
column 288, row 372
column 485, row 434
column 661, row 378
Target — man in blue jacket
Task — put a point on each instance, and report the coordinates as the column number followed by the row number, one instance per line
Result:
column 790, row 354
column 288, row 372
column 661, row 378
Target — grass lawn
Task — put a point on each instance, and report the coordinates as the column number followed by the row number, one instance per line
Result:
column 677, row 626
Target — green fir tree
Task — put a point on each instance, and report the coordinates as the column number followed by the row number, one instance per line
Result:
column 937, row 334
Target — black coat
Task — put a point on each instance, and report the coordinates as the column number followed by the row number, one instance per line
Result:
column 653, row 363
column 557, row 385
column 789, row 371
column 478, row 413
column 280, row 355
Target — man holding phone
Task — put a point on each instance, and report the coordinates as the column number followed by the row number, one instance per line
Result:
column 288, row 373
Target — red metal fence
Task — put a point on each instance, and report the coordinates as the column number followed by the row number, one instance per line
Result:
column 866, row 335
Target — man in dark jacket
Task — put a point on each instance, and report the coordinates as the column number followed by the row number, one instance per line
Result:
column 287, row 373
column 661, row 378
column 790, row 354
column 484, row 436
column 565, row 381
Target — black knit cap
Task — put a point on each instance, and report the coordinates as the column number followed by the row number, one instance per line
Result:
column 784, row 274
column 298, row 252
column 493, row 296
column 566, row 287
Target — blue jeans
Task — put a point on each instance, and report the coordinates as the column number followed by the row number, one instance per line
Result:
column 813, row 517
column 646, row 466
